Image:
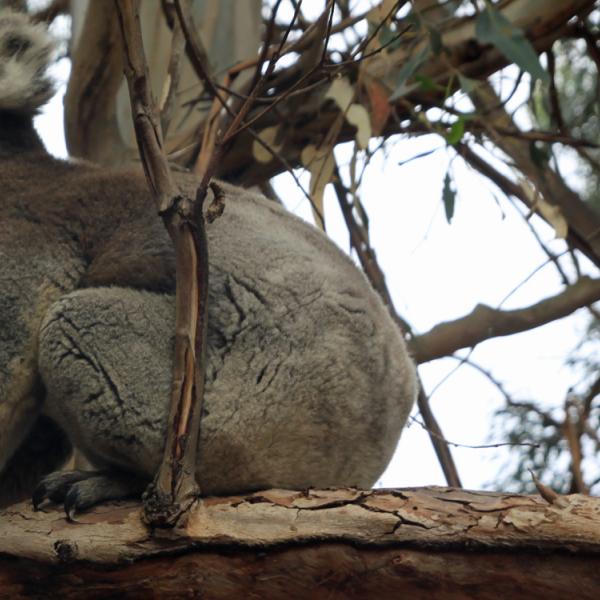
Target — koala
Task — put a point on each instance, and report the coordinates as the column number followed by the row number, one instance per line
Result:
column 308, row 380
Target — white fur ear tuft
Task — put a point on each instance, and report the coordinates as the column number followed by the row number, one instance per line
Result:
column 26, row 51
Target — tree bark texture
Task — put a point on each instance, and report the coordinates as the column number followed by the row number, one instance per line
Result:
column 424, row 542
column 97, row 113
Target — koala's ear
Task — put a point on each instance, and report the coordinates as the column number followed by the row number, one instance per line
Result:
column 26, row 51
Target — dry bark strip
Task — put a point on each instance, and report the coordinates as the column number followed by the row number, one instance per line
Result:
column 428, row 542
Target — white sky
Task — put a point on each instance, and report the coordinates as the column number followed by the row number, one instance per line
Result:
column 438, row 272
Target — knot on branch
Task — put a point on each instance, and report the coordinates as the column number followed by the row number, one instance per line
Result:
column 180, row 204
column 162, row 510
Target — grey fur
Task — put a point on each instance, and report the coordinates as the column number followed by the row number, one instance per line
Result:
column 25, row 52
column 308, row 380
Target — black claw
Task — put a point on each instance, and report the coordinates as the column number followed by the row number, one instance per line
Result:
column 79, row 490
column 70, row 503
column 54, row 487
column 70, row 506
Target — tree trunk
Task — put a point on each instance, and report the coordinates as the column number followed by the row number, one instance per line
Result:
column 420, row 542
column 98, row 122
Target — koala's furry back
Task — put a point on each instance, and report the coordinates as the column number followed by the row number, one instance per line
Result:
column 308, row 379
column 307, row 384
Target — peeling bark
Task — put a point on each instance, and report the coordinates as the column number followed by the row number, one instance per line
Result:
column 427, row 542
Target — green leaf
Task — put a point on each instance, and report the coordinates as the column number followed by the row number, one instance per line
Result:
column 389, row 38
column 412, row 20
column 492, row 27
column 426, row 83
column 407, row 70
column 456, row 131
column 540, row 106
column 435, row 40
column 449, row 196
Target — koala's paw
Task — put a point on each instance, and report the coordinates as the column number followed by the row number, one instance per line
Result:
column 79, row 490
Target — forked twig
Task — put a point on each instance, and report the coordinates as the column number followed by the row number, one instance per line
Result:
column 174, row 489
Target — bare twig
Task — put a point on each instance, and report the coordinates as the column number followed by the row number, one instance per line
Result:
column 592, row 393
column 491, row 446
column 172, row 82
column 196, row 52
column 366, row 254
column 238, row 124
column 548, row 494
column 511, row 188
column 174, row 489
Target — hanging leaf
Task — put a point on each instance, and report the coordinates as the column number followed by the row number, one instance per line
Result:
column 389, row 38
column 540, row 105
column 407, row 70
column 358, row 116
column 540, row 154
column 449, row 196
column 435, row 41
column 342, row 92
column 456, row 131
column 426, row 83
column 380, row 107
column 492, row 27
column 550, row 212
column 320, row 164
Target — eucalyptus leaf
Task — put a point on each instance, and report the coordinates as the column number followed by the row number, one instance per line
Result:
column 457, row 130
column 449, row 196
column 408, row 69
column 426, row 83
column 389, row 38
column 492, row 27
column 435, row 41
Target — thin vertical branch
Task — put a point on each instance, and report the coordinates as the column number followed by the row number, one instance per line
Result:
column 174, row 489
column 438, row 441
column 370, row 266
column 172, row 82
column 573, row 437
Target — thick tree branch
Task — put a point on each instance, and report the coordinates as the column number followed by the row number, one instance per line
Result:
column 420, row 543
column 543, row 21
column 91, row 127
column 486, row 322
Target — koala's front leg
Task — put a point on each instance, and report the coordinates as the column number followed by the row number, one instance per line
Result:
column 105, row 358
column 78, row 490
